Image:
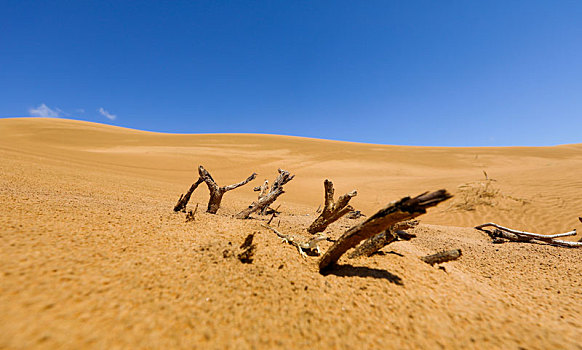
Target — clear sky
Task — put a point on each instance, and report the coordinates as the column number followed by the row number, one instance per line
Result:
column 450, row 73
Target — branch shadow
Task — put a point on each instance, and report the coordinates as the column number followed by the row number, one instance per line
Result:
column 382, row 253
column 363, row 271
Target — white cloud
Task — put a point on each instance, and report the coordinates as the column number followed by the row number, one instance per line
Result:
column 80, row 110
column 44, row 111
column 107, row 114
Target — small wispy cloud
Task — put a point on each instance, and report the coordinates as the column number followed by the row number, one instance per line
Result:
column 44, row 111
column 107, row 114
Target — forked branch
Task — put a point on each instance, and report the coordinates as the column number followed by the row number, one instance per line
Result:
column 216, row 192
column 268, row 199
column 405, row 209
column 331, row 211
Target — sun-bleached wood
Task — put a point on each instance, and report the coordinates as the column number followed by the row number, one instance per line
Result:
column 311, row 246
column 332, row 211
column 522, row 236
column 405, row 209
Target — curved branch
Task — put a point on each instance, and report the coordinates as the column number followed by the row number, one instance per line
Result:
column 242, row 183
column 185, row 198
column 404, row 209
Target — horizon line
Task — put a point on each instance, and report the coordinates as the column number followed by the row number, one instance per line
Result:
column 277, row 135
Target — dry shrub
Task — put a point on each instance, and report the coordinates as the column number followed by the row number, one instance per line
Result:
column 475, row 194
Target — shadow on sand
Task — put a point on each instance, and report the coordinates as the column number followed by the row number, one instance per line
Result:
column 363, row 271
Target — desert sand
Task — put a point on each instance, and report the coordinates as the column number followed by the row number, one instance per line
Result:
column 93, row 256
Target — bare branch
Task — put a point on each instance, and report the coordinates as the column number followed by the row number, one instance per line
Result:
column 442, row 257
column 528, row 234
column 331, row 211
column 379, row 241
column 404, row 209
column 184, row 199
column 232, row 187
column 217, row 192
column 310, row 246
column 522, row 236
column 266, row 200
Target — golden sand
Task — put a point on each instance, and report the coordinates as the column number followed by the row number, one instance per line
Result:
column 92, row 255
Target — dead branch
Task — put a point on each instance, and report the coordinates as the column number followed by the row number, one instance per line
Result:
column 356, row 214
column 522, row 236
column 185, row 198
column 331, row 211
column 268, row 199
column 263, row 189
column 217, row 192
column 405, row 209
column 191, row 215
column 311, row 246
column 442, row 257
column 379, row 241
column 248, row 250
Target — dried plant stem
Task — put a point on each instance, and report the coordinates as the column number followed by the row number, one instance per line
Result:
column 522, row 236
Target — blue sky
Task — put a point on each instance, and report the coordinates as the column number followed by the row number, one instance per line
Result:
column 448, row 73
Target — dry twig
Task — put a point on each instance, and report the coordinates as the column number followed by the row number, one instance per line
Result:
column 310, row 246
column 191, row 215
column 442, row 257
column 522, row 236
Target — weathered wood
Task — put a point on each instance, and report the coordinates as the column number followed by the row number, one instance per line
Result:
column 405, row 209
column 191, row 215
column 522, row 236
column 356, row 214
column 379, row 241
column 216, row 192
column 331, row 211
column 311, row 246
column 268, row 199
column 246, row 256
column 185, row 198
column 442, row 257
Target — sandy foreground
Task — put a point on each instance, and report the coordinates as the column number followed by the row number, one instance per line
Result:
column 92, row 255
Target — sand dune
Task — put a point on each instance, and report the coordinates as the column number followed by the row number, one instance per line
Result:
column 93, row 256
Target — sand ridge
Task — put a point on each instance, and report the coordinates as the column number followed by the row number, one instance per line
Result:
column 93, row 256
